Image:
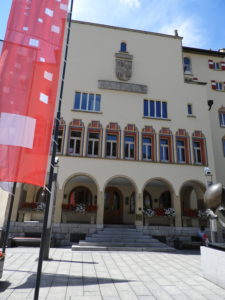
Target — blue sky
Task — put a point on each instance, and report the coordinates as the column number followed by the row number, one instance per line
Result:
column 200, row 22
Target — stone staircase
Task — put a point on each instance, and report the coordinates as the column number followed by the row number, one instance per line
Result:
column 121, row 238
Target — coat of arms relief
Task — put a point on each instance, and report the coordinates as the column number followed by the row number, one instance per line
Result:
column 123, row 66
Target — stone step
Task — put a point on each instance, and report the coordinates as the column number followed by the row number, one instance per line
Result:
column 117, row 239
column 109, row 248
column 135, row 233
column 122, row 244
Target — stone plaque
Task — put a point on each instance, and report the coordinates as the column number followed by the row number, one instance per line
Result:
column 122, row 86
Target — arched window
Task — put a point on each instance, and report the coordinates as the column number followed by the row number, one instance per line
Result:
column 199, row 148
column 80, row 195
column 94, row 139
column 165, row 200
column 123, row 47
column 187, row 65
column 148, row 144
column 131, row 142
column 76, row 133
column 166, row 145
column 112, row 141
column 147, row 199
column 182, row 147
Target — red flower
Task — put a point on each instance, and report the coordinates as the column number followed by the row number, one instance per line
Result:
column 159, row 211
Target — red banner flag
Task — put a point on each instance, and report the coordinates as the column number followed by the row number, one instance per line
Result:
column 29, row 73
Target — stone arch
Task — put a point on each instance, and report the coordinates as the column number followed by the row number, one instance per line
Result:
column 120, row 194
column 191, row 197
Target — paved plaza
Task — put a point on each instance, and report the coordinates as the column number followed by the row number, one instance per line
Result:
column 106, row 275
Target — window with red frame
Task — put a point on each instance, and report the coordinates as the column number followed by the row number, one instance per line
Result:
column 165, row 145
column 112, row 141
column 94, row 138
column 75, row 143
column 148, row 143
column 182, row 147
column 130, row 142
column 199, row 148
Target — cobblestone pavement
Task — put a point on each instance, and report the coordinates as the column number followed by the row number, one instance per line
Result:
column 106, row 275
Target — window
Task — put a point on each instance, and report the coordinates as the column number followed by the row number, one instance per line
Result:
column 87, row 102
column 217, row 85
column 222, row 116
column 199, row 148
column 197, row 152
column 155, row 109
column 93, row 143
column 165, row 144
column 181, row 152
column 147, row 199
column 216, row 65
column 130, row 142
column 129, row 147
column 164, row 150
column 146, row 148
column 132, row 203
column 189, row 109
column 94, row 139
column 80, row 195
column 182, row 146
column 123, row 47
column 111, row 145
column 223, row 143
column 112, row 140
column 148, row 143
column 61, row 134
column 187, row 65
column 75, row 143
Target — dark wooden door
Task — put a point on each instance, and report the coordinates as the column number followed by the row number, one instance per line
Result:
column 113, row 206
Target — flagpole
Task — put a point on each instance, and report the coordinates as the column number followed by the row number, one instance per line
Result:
column 53, row 163
column 6, row 233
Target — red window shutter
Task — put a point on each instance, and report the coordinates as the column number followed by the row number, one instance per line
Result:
column 211, row 64
column 213, row 84
column 222, row 65
column 195, row 79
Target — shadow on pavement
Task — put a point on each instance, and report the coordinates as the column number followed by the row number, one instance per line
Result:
column 76, row 262
column 3, row 286
column 60, row 280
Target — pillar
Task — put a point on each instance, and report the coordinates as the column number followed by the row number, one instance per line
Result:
column 139, row 210
column 58, row 206
column 100, row 210
column 177, row 207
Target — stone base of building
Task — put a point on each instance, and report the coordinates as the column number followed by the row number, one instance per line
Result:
column 67, row 234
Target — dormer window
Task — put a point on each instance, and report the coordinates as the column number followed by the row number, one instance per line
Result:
column 123, row 47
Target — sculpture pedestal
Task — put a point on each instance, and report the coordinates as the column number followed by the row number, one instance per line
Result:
column 213, row 262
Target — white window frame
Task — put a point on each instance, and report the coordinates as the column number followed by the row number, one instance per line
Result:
column 87, row 104
column 222, row 118
column 147, row 146
column 219, row 86
column 179, row 152
column 155, row 113
column 111, row 146
column 94, row 141
column 197, row 149
column 129, row 143
column 75, row 139
column 163, row 147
